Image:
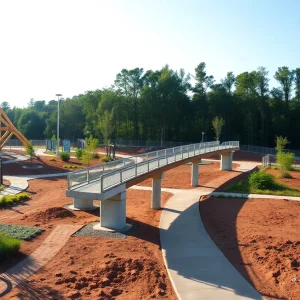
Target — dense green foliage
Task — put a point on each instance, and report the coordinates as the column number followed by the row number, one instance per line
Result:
column 285, row 161
column 78, row 153
column 11, row 199
column 166, row 105
column 261, row 180
column 64, row 156
column 106, row 158
column 29, row 150
column 8, row 246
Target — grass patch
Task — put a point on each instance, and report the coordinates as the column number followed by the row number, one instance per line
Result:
column 20, row 232
column 8, row 246
column 279, row 189
column 12, row 199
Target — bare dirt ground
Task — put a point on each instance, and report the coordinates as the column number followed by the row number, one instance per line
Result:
column 180, row 177
column 293, row 182
column 259, row 237
column 89, row 267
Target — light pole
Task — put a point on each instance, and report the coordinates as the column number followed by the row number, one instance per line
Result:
column 57, row 140
column 203, row 136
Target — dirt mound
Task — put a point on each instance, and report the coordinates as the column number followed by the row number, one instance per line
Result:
column 114, row 279
column 52, row 213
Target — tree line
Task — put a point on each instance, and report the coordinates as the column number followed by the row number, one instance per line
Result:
column 165, row 105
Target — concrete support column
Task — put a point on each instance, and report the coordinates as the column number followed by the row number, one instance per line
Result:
column 156, row 191
column 113, row 212
column 195, row 173
column 82, row 204
column 226, row 161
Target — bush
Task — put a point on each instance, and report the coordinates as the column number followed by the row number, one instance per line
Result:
column 95, row 155
column 65, row 156
column 285, row 161
column 8, row 246
column 52, row 159
column 106, row 158
column 70, row 166
column 261, row 180
column 11, row 199
column 78, row 153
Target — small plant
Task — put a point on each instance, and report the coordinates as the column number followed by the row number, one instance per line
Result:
column 70, row 166
column 11, row 199
column 95, row 155
column 52, row 159
column 281, row 142
column 78, row 153
column 218, row 124
column 30, row 151
column 65, row 156
column 8, row 246
column 285, row 161
column 261, row 180
column 106, row 158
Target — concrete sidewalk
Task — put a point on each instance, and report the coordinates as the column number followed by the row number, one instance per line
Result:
column 196, row 266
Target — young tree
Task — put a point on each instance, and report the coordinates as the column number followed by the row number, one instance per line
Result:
column 107, row 127
column 29, row 150
column 90, row 145
column 281, row 142
column 218, row 124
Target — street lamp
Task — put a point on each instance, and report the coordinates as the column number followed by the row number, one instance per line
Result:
column 57, row 146
column 203, row 136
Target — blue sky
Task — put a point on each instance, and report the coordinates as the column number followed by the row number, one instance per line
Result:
column 70, row 46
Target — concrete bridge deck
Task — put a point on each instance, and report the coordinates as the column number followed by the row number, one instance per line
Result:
column 108, row 182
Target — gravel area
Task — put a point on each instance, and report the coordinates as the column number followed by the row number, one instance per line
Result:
column 88, row 230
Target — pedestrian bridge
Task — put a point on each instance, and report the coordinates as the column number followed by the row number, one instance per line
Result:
column 108, row 182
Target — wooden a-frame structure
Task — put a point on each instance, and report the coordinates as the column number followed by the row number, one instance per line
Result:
column 9, row 130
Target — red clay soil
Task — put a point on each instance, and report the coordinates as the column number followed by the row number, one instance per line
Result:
column 89, row 267
column 48, row 166
column 260, row 238
column 293, row 182
column 180, row 177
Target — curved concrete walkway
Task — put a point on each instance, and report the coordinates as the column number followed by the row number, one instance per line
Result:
column 196, row 266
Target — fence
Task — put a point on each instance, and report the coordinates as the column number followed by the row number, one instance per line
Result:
column 121, row 171
column 265, row 150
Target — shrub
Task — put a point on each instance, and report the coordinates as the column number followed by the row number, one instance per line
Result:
column 106, row 158
column 23, row 196
column 52, row 159
column 78, row 153
column 65, row 156
column 8, row 246
column 261, row 180
column 285, row 161
column 70, row 166
column 95, row 155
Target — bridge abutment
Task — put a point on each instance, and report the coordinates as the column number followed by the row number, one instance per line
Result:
column 156, row 191
column 113, row 213
column 226, row 161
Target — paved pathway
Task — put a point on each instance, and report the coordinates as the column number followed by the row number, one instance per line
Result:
column 48, row 249
column 196, row 266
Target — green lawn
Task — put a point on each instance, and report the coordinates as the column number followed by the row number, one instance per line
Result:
column 243, row 186
column 8, row 246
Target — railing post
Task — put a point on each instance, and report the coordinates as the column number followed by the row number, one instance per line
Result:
column 88, row 176
column 194, row 149
column 121, row 177
column 101, row 187
column 68, row 180
column 135, row 170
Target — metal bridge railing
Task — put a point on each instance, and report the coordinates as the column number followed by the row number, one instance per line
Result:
column 120, row 171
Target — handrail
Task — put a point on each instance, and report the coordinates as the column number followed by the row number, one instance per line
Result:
column 120, row 171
